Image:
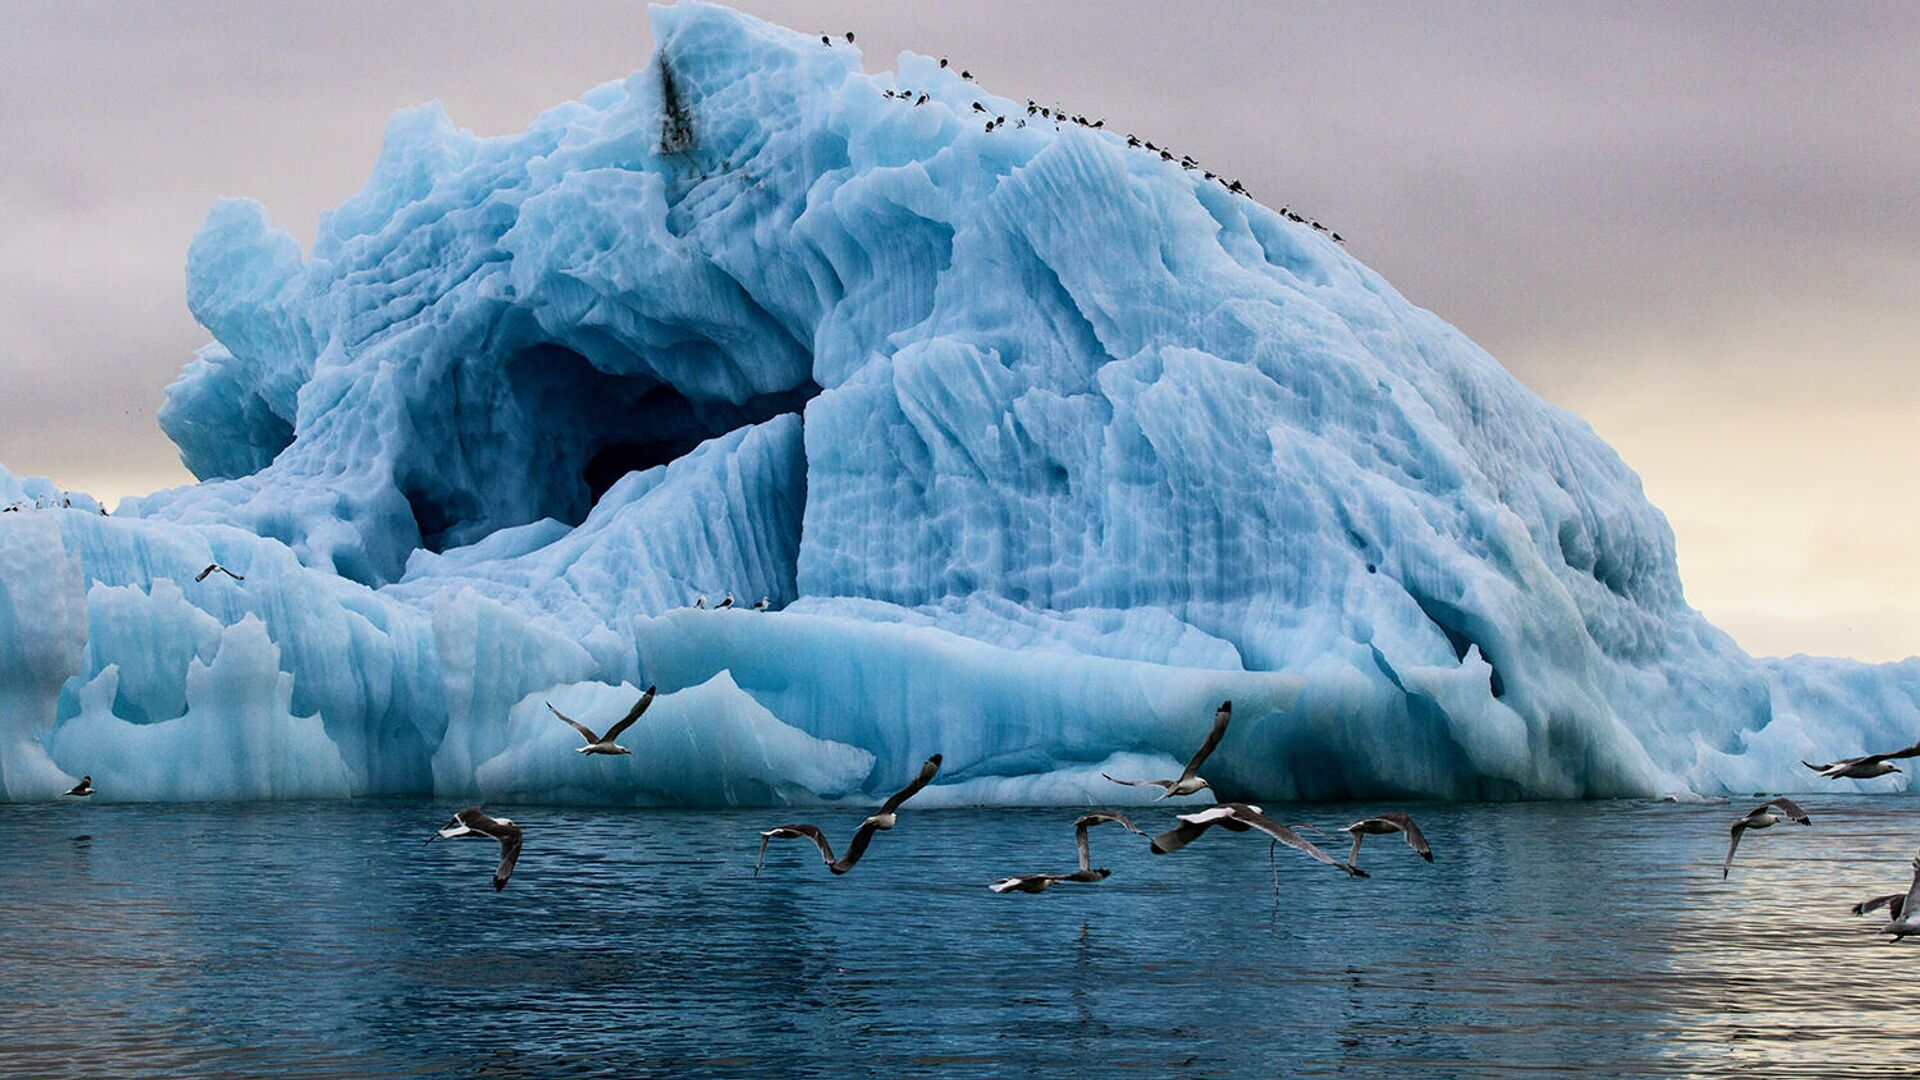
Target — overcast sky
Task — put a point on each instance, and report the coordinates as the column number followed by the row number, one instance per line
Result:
column 1698, row 226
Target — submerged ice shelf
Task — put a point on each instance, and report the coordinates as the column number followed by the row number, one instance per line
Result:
column 1040, row 445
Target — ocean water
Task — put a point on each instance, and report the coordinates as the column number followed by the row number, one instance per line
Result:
column 325, row 940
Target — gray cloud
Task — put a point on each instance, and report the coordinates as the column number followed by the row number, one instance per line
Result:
column 1672, row 219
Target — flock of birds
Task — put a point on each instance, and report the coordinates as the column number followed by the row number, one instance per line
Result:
column 1058, row 116
column 762, row 604
column 44, row 502
column 1903, row 909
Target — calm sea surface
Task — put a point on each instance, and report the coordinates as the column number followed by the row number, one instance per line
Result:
column 325, row 940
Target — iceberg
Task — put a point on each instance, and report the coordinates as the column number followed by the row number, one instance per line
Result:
column 1038, row 446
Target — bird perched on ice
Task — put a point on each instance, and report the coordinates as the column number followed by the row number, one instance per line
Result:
column 762, row 604
column 1039, row 883
column 472, row 822
column 726, row 603
column 1240, row 817
column 943, row 62
column 884, row 818
column 1190, row 779
column 604, row 744
column 919, row 101
column 216, row 568
column 1865, row 767
column 700, row 602
column 849, row 37
column 1765, row 816
column 1903, row 909
column 81, row 790
column 825, row 40
column 1385, row 824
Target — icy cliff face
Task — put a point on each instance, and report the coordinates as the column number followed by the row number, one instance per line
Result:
column 1043, row 445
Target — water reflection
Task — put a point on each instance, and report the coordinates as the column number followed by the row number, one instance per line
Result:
column 327, row 940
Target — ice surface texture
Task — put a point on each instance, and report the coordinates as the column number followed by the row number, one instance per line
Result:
column 1042, row 444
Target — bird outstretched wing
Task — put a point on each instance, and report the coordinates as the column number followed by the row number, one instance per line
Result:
column 1221, row 717
column 1792, row 810
column 1739, row 827
column 585, row 732
column 1416, row 839
column 793, row 831
column 633, row 714
column 913, row 787
column 509, row 838
column 1284, row 835
column 1189, row 829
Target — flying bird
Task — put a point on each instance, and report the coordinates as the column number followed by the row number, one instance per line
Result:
column 1190, row 779
column 472, row 822
column 1382, row 825
column 216, row 568
column 1240, row 817
column 1039, row 883
column 1763, row 816
column 883, row 818
column 1865, row 767
column 80, row 790
column 597, row 744
column 1903, row 910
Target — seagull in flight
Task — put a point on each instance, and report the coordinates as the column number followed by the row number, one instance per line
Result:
column 1865, row 767
column 1190, row 779
column 1385, row 824
column 883, row 818
column 1240, row 817
column 604, row 744
column 1903, row 909
column 472, row 822
column 1765, row 816
column 1039, row 883
column 216, row 568
column 80, row 790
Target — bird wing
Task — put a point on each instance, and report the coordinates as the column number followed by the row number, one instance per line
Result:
column 1009, row 884
column 202, row 575
column 1911, row 751
column 1794, row 813
column 1286, row 836
column 1220, row 719
column 1911, row 902
column 585, row 732
column 788, row 832
column 1101, row 817
column 1189, row 829
column 856, row 847
column 1164, row 785
column 1080, row 842
column 633, row 714
column 1738, row 828
column 1416, row 839
column 1897, row 900
column 509, row 838
column 913, row 787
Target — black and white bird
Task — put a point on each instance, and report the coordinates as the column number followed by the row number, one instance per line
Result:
column 967, row 75
column 1039, row 883
column 604, row 744
column 80, row 790
column 726, row 603
column 1765, row 816
column 1240, row 817
column 825, row 40
column 919, row 101
column 1190, row 779
column 943, row 61
column 1383, row 825
column 216, row 568
column 849, row 37
column 1865, row 767
column 473, row 822
column 884, row 818
column 1903, row 909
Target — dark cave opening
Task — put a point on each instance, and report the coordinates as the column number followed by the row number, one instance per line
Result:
column 562, row 435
